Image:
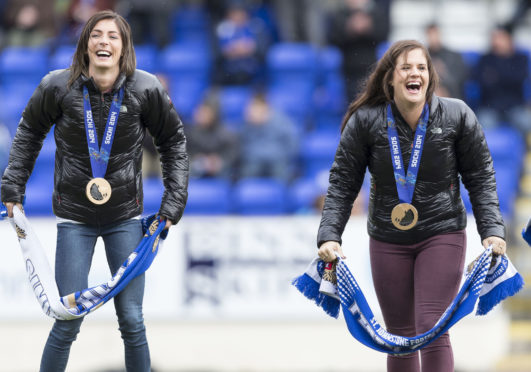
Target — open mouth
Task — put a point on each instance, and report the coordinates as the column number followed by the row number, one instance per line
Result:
column 413, row 87
column 103, row 54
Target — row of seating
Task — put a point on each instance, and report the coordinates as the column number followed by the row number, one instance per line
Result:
column 303, row 81
column 267, row 196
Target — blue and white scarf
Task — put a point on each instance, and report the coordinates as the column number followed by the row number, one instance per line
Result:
column 79, row 304
column 490, row 284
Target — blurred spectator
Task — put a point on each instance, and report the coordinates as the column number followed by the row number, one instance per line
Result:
column 28, row 22
column 301, row 20
column 77, row 14
column 269, row 144
column 519, row 14
column 149, row 20
column 357, row 27
column 449, row 64
column 212, row 148
column 501, row 73
column 242, row 42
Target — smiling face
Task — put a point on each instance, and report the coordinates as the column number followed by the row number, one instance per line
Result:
column 410, row 78
column 105, row 46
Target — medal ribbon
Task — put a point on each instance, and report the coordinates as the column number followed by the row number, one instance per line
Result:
column 99, row 157
column 405, row 185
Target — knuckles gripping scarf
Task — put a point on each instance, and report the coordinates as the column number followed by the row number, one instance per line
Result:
column 79, row 304
column 332, row 286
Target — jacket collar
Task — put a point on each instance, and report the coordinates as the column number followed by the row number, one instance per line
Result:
column 91, row 84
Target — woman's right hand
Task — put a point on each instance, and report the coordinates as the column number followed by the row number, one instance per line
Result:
column 9, row 207
column 327, row 251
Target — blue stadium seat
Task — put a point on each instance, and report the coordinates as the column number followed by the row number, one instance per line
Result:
column 62, row 57
column 190, row 60
column 23, row 64
column 303, row 194
column 506, row 146
column 14, row 98
column 191, row 24
column 186, row 95
column 233, row 101
column 39, row 188
column 292, row 63
column 208, row 196
column 330, row 60
column 260, row 196
column 146, row 57
column 153, row 190
column 317, row 151
column 294, row 101
column 43, row 171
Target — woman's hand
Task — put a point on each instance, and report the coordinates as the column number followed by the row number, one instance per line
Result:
column 168, row 224
column 9, row 207
column 327, row 251
column 498, row 245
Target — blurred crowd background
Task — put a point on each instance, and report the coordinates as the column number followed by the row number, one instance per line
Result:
column 261, row 86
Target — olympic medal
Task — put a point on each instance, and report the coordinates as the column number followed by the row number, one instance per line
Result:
column 404, row 216
column 98, row 191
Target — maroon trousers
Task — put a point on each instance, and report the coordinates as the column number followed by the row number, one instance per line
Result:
column 414, row 285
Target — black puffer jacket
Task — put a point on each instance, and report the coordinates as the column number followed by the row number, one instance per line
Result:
column 454, row 148
column 145, row 105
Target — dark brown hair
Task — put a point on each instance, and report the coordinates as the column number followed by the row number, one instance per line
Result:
column 80, row 62
column 377, row 88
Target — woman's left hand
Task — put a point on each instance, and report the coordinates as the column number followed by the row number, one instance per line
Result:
column 498, row 245
column 168, row 224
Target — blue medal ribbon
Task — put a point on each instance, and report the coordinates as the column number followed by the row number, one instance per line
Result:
column 405, row 185
column 99, row 157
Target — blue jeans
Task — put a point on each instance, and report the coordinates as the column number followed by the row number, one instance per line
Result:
column 75, row 248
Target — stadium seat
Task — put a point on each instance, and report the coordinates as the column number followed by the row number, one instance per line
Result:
column 232, row 103
column 153, row 190
column 317, row 151
column 146, row 58
column 303, row 194
column 186, row 95
column 260, row 196
column 23, row 64
column 506, row 146
column 330, row 60
column 208, row 196
column 191, row 24
column 190, row 60
column 61, row 57
column 295, row 101
column 292, row 63
column 43, row 171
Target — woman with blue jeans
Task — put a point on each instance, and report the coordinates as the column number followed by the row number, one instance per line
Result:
column 101, row 99
column 417, row 147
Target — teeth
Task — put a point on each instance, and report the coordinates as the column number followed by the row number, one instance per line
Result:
column 104, row 54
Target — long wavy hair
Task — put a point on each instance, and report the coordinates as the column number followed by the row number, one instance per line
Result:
column 377, row 88
column 80, row 61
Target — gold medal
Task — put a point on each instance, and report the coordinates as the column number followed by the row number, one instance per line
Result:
column 98, row 191
column 404, row 216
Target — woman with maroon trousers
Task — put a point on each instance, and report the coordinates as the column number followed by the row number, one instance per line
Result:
column 416, row 146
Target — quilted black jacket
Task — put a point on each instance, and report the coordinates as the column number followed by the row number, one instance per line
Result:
column 145, row 105
column 454, row 149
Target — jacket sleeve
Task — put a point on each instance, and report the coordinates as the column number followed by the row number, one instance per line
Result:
column 167, row 130
column 477, row 172
column 38, row 117
column 346, row 179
